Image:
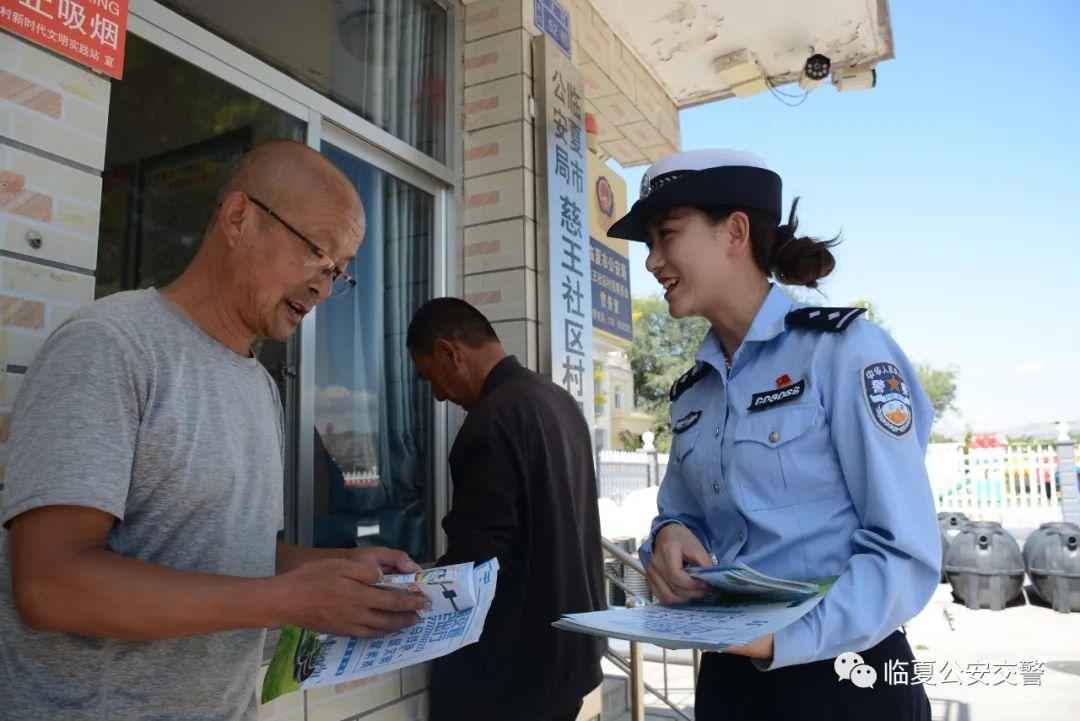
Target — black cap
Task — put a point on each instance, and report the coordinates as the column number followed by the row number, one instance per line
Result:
column 701, row 178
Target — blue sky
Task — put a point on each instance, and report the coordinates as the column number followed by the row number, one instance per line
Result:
column 954, row 183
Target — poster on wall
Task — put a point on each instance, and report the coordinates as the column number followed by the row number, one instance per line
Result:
column 114, row 235
column 564, row 221
column 176, row 196
column 611, row 310
column 90, row 32
column 610, row 257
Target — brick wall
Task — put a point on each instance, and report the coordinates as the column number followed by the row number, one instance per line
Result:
column 395, row 696
column 637, row 123
column 53, row 117
column 500, row 273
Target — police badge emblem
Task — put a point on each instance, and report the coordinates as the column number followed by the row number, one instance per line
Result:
column 888, row 398
column 605, row 197
column 643, row 191
column 687, row 421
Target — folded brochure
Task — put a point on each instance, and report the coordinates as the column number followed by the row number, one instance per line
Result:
column 461, row 596
column 744, row 605
column 449, row 588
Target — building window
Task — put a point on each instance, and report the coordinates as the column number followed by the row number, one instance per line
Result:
column 373, row 419
column 385, row 60
column 618, row 398
column 175, row 132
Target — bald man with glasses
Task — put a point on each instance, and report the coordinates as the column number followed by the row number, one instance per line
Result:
column 139, row 566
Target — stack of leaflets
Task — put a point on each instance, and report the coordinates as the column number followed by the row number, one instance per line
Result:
column 449, row 588
column 744, row 605
column 739, row 582
column 460, row 597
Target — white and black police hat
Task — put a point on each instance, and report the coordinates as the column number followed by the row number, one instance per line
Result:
column 702, row 178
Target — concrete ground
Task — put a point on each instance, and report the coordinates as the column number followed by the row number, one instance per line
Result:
column 1031, row 655
column 1028, row 632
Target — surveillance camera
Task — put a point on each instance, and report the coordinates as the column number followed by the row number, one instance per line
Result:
column 814, row 71
column 862, row 78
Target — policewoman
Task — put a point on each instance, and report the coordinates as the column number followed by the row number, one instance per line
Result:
column 799, row 437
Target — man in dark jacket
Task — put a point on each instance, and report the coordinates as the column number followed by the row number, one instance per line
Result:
column 525, row 492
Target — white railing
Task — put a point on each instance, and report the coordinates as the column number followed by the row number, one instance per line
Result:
column 623, row 472
column 634, row 666
column 1013, row 485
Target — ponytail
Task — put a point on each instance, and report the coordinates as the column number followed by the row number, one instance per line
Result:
column 779, row 252
column 798, row 260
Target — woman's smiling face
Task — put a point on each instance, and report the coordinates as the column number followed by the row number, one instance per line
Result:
column 688, row 257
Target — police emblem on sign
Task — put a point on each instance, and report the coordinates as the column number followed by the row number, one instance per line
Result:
column 888, row 398
column 605, row 197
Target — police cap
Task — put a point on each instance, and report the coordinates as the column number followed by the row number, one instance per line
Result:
column 701, row 178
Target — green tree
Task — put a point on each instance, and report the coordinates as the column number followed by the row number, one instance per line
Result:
column 628, row 441
column 664, row 348
column 872, row 312
column 799, row 294
column 939, row 384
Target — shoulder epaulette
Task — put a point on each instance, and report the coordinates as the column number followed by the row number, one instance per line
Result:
column 827, row 320
column 686, row 380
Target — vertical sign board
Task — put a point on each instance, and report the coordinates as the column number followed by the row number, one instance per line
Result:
column 90, row 32
column 563, row 223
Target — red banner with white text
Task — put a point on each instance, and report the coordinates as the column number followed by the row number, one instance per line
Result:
column 90, row 32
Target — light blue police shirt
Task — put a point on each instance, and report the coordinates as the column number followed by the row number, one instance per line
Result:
column 807, row 460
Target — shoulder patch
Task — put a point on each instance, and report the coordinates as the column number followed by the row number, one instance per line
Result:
column 686, row 380
column 826, row 320
column 888, row 398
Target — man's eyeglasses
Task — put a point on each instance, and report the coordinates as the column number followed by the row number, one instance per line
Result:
column 340, row 281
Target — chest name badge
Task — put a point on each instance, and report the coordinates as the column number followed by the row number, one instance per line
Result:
column 888, row 398
column 686, row 421
column 769, row 399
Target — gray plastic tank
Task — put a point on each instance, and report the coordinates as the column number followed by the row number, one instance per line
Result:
column 616, row 596
column 637, row 585
column 630, row 582
column 951, row 523
column 985, row 566
column 1052, row 557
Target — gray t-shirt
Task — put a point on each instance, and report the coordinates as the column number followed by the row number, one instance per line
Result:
column 130, row 408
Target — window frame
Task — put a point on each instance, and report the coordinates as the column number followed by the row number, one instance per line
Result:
column 335, row 123
column 173, row 32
